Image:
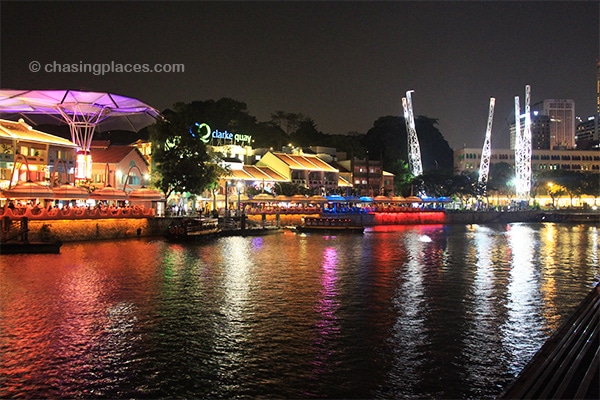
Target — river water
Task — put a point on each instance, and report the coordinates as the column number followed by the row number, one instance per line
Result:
column 398, row 312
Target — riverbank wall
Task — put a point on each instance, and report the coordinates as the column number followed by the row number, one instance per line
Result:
column 121, row 228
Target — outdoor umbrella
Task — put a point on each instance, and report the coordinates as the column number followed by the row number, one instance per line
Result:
column 28, row 190
column 261, row 198
column 108, row 193
column 69, row 192
column 146, row 194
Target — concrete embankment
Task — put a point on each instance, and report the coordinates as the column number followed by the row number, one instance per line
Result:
column 96, row 229
column 491, row 217
column 118, row 228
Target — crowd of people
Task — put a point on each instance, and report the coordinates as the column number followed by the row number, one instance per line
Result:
column 72, row 209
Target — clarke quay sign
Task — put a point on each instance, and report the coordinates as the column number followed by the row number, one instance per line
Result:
column 203, row 132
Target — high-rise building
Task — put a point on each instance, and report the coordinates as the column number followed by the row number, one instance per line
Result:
column 540, row 131
column 586, row 136
column 562, row 122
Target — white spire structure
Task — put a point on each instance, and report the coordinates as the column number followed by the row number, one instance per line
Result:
column 484, row 167
column 414, row 151
column 523, row 148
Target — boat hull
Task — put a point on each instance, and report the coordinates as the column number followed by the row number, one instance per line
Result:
column 329, row 225
column 52, row 247
column 330, row 230
column 192, row 230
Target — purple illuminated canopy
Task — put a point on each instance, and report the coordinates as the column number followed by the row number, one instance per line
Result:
column 82, row 111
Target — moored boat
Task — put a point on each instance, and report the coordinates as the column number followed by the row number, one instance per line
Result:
column 190, row 229
column 22, row 247
column 329, row 225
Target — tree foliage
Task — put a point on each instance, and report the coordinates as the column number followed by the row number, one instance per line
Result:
column 388, row 141
column 438, row 183
column 182, row 162
column 572, row 183
column 501, row 176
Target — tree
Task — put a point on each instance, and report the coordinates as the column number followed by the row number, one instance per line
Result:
column 555, row 191
column 307, row 134
column 388, row 140
column 182, row 162
column 571, row 183
column 437, row 183
column 288, row 122
column 500, row 177
column 266, row 134
column 403, row 179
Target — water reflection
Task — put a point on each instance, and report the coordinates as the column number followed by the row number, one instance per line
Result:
column 485, row 306
column 522, row 330
column 409, row 335
column 326, row 307
column 386, row 314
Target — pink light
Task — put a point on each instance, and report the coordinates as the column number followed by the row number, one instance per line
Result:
column 410, row 218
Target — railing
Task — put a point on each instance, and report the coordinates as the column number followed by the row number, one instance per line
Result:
column 77, row 213
column 282, row 210
column 340, row 210
column 566, row 367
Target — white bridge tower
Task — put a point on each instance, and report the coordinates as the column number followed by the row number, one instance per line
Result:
column 484, row 167
column 414, row 151
column 523, row 148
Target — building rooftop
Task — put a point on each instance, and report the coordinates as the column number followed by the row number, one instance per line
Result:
column 112, row 154
column 22, row 131
column 305, row 162
column 252, row 172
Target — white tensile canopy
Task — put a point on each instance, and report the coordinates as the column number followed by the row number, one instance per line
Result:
column 82, row 111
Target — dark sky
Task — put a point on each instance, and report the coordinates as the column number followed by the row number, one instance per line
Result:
column 343, row 64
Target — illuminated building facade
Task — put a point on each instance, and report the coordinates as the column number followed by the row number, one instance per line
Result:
column 367, row 176
column 562, row 122
column 540, row 131
column 467, row 160
column 113, row 164
column 305, row 170
column 37, row 156
column 586, row 136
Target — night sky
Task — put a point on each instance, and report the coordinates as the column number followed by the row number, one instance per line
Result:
column 343, row 64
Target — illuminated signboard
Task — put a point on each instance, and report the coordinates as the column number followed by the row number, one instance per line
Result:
column 204, row 133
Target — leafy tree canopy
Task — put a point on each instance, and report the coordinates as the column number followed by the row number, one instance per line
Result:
column 500, row 178
column 388, row 141
column 182, row 162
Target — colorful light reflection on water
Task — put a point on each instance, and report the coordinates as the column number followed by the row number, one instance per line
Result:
column 386, row 314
